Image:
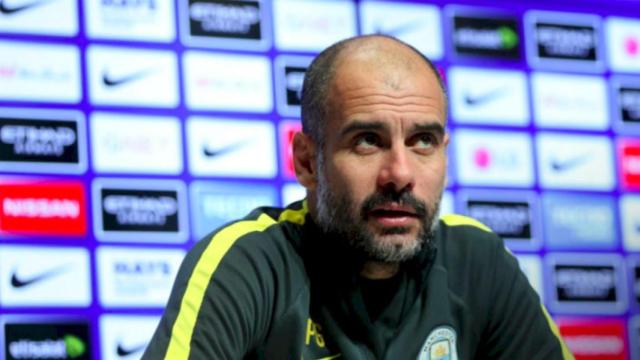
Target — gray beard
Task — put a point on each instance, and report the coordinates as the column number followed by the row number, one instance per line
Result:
column 335, row 218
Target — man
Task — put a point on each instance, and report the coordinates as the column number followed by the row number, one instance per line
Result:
column 362, row 269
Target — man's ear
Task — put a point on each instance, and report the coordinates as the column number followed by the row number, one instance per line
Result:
column 304, row 160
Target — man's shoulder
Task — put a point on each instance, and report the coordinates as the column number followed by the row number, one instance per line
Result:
column 462, row 229
column 265, row 233
column 464, row 239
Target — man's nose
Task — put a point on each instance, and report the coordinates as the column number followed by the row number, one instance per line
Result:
column 397, row 172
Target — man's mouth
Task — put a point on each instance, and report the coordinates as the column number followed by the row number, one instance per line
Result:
column 393, row 215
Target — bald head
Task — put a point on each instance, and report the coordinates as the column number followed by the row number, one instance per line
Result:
column 392, row 60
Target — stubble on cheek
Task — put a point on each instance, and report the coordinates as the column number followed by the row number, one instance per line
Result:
column 338, row 215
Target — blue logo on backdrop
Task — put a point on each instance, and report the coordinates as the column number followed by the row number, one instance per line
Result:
column 216, row 203
column 579, row 221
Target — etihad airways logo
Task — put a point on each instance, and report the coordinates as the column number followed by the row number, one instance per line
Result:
column 45, row 338
column 226, row 147
column 34, row 17
column 566, row 41
column 629, row 158
column 224, row 82
column 623, row 40
column 130, row 277
column 587, row 283
column 416, row 24
column 40, row 72
column 489, row 158
column 486, row 36
column 132, row 77
column 633, row 263
column 311, row 26
column 289, row 76
column 626, row 104
column 570, row 101
column 575, row 161
column 42, row 141
column 33, row 276
column 39, row 207
column 147, row 20
column 240, row 24
column 513, row 215
column 481, row 96
column 136, row 210
column 124, row 336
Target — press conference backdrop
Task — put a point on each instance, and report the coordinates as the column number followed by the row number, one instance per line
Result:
column 129, row 129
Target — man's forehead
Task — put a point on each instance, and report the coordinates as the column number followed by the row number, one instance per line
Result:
column 381, row 52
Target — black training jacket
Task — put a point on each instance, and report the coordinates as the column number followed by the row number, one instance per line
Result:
column 270, row 286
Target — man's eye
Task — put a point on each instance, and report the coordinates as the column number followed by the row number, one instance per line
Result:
column 425, row 141
column 367, row 141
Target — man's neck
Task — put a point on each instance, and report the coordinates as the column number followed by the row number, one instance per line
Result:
column 376, row 270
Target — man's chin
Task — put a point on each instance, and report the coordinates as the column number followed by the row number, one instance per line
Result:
column 394, row 247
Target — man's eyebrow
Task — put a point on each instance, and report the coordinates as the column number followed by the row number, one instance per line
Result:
column 430, row 127
column 362, row 126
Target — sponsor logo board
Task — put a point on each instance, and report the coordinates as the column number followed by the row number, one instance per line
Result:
column 123, row 143
column 586, row 283
column 242, row 24
column 136, row 210
column 125, row 336
column 594, row 338
column 289, row 75
column 146, row 20
column 34, row 17
column 625, row 101
column 132, row 77
column 46, row 338
column 484, row 34
column 447, row 204
column 512, row 215
column 42, row 141
column 489, row 158
column 416, row 24
column 292, row 192
column 44, row 276
column 629, row 163
column 634, row 336
column 230, row 147
column 570, row 101
column 288, row 129
column 575, row 162
column 136, row 277
column 481, row 96
column 579, row 221
column 564, row 41
column 216, row 203
column 42, row 207
column 630, row 220
column 40, row 72
column 633, row 262
column 531, row 266
column 623, row 43
column 312, row 25
column 225, row 82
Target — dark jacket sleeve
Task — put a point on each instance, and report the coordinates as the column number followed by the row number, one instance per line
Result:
column 220, row 304
column 519, row 325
